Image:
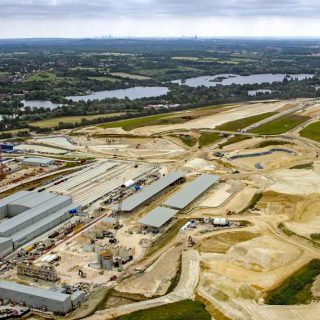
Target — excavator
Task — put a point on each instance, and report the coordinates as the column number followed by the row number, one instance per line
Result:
column 191, row 242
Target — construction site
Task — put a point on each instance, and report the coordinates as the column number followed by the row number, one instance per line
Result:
column 98, row 223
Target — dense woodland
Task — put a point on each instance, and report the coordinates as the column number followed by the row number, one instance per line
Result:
column 53, row 69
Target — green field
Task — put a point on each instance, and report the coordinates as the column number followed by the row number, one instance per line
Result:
column 103, row 78
column 312, row 131
column 186, row 58
column 134, row 123
column 281, row 125
column 208, row 138
column 183, row 310
column 245, row 122
column 41, row 76
column 233, row 140
column 162, row 119
column 130, row 76
column 83, row 68
column 51, row 123
column 297, row 288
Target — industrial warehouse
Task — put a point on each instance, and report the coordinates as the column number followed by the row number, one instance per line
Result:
column 28, row 215
column 191, row 191
column 42, row 162
column 39, row 298
column 138, row 199
column 158, row 217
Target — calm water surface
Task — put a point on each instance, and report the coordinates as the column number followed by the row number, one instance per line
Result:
column 228, row 79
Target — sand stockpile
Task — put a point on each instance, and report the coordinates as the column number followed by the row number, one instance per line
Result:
column 262, row 254
column 220, row 243
column 305, row 219
column 199, row 164
column 315, row 289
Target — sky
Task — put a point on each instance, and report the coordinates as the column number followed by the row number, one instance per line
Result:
column 159, row 18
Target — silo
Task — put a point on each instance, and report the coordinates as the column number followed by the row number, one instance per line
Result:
column 88, row 247
column 106, row 259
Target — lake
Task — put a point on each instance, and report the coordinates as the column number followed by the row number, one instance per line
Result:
column 131, row 93
column 40, row 103
column 228, row 79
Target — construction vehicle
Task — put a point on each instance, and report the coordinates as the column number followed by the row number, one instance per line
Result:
column 28, row 248
column 191, row 242
column 82, row 274
column 113, row 278
column 230, row 212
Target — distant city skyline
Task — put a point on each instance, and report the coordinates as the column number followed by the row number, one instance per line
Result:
column 159, row 18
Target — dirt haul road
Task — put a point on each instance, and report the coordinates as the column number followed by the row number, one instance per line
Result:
column 190, row 273
column 213, row 121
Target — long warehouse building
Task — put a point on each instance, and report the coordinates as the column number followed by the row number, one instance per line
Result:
column 158, row 217
column 150, row 191
column 36, row 297
column 28, row 215
column 191, row 191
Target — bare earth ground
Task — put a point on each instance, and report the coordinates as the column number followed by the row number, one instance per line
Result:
column 300, row 181
column 157, row 278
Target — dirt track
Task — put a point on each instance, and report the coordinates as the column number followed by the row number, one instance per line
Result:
column 185, row 290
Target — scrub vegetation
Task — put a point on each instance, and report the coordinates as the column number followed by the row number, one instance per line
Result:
column 186, row 310
column 297, row 288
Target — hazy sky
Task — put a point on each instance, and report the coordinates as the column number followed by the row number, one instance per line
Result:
column 89, row 18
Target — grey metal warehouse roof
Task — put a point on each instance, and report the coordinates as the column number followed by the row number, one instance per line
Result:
column 36, row 227
column 5, row 240
column 33, row 212
column 32, row 199
column 38, row 160
column 33, row 291
column 148, row 192
column 191, row 191
column 158, row 217
column 13, row 197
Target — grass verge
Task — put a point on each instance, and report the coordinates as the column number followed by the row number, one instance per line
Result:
column 51, row 123
column 134, row 123
column 281, row 125
column 208, row 138
column 235, row 139
column 245, row 122
column 312, row 131
column 255, row 199
column 166, row 237
column 268, row 143
column 308, row 165
column 186, row 310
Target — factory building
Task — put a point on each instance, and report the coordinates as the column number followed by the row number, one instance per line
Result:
column 35, row 297
column 191, row 191
column 141, row 197
column 158, row 217
column 6, row 245
column 41, row 162
column 30, row 214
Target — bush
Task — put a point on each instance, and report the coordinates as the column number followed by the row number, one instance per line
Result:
column 296, row 284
